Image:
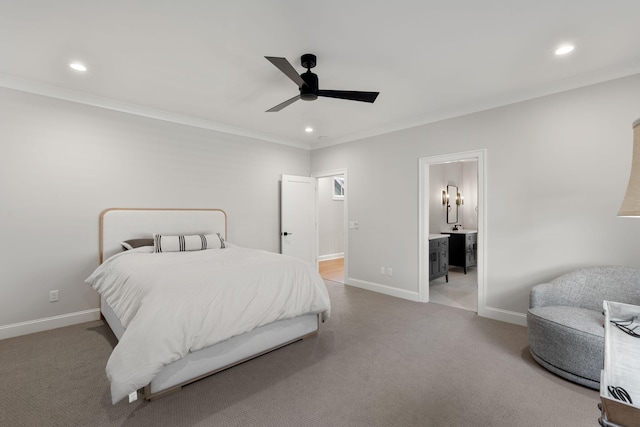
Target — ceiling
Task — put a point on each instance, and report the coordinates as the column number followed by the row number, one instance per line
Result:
column 201, row 62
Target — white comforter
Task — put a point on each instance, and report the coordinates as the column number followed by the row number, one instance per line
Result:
column 173, row 303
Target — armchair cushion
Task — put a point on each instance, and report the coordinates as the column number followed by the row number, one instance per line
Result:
column 568, row 341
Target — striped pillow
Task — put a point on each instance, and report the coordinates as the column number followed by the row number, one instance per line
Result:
column 196, row 242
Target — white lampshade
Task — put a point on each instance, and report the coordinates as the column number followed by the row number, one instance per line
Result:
column 631, row 203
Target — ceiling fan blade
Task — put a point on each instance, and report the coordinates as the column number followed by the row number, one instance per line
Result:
column 350, row 94
column 285, row 66
column 283, row 104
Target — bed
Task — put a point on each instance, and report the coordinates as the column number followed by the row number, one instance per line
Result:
column 146, row 276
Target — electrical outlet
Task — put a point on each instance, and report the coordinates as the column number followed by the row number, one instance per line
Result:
column 382, row 270
column 53, row 296
column 389, row 271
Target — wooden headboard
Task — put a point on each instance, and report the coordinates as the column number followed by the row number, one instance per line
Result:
column 119, row 224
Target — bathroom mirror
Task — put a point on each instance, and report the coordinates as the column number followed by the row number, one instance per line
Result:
column 452, row 206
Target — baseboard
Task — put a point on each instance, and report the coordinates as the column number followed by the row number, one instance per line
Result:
column 504, row 315
column 39, row 325
column 488, row 312
column 384, row 289
column 330, row 256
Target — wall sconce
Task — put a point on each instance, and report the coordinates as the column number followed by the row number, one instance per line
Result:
column 459, row 199
column 631, row 203
column 445, row 198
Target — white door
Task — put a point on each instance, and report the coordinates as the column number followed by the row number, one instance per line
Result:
column 298, row 218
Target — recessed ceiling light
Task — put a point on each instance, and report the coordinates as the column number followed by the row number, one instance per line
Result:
column 564, row 49
column 78, row 66
column 308, row 129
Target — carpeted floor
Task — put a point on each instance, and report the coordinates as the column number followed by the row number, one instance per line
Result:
column 379, row 361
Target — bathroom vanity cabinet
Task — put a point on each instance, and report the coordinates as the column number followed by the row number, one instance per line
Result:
column 438, row 256
column 463, row 248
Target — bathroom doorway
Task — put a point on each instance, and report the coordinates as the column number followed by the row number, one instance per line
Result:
column 457, row 218
column 456, row 214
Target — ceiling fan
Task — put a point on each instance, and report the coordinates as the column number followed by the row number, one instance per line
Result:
column 308, row 83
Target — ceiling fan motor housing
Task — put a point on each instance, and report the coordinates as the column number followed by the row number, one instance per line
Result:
column 308, row 60
column 309, row 91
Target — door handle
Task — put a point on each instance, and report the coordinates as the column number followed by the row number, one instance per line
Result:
column 286, row 234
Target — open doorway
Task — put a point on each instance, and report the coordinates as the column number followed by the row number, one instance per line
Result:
column 453, row 230
column 331, row 208
column 452, row 213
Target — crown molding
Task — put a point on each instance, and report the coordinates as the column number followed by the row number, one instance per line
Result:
column 565, row 85
column 80, row 97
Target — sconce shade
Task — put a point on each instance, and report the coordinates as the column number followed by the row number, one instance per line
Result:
column 631, row 203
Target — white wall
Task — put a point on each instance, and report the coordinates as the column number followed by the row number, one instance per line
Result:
column 469, row 189
column 330, row 221
column 440, row 176
column 557, row 169
column 62, row 163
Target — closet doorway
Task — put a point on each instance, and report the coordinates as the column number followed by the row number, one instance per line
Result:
column 332, row 225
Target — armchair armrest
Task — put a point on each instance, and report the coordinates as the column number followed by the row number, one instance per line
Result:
column 554, row 293
column 541, row 295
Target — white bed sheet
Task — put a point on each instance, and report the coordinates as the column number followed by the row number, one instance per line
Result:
column 174, row 303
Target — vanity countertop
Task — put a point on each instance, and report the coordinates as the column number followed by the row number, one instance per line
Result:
column 460, row 231
column 438, row 236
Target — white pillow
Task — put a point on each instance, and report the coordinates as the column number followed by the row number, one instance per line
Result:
column 140, row 250
column 196, row 242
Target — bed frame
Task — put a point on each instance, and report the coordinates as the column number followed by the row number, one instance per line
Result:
column 117, row 225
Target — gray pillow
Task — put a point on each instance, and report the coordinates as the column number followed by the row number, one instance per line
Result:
column 136, row 243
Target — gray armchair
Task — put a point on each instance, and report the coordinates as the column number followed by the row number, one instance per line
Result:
column 565, row 320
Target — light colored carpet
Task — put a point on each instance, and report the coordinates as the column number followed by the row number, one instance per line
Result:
column 379, row 361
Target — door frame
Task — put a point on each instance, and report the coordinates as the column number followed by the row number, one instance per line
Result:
column 423, row 222
column 345, row 225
